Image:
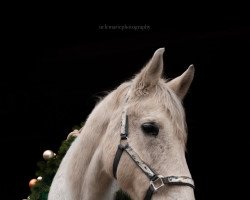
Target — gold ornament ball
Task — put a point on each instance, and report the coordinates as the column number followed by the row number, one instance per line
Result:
column 32, row 183
column 48, row 154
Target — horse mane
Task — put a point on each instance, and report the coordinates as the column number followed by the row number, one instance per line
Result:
column 175, row 108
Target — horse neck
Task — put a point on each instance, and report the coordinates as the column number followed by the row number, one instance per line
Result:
column 85, row 170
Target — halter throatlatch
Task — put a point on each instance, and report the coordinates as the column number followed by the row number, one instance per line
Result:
column 156, row 181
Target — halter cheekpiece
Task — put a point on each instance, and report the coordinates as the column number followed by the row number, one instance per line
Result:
column 156, row 181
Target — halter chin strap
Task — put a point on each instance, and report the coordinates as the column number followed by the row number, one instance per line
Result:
column 156, row 181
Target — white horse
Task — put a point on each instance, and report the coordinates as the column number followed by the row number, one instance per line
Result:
column 134, row 139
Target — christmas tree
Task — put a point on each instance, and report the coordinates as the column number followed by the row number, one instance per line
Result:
column 47, row 169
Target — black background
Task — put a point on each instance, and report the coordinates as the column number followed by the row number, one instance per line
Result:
column 52, row 74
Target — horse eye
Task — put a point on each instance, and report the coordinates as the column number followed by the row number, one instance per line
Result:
column 150, row 128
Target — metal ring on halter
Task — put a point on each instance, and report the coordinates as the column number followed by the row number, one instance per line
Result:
column 157, row 183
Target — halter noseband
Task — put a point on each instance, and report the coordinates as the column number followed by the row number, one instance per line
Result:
column 156, row 181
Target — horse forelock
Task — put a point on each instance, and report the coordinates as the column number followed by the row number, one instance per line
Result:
column 162, row 95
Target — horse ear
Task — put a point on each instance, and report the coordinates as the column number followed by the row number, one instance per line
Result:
column 181, row 84
column 151, row 73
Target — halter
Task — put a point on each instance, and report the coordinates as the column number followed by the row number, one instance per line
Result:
column 156, row 181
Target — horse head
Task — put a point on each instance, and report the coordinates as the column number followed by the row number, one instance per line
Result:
column 136, row 138
column 153, row 135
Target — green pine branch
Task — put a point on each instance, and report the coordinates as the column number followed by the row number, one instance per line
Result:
column 47, row 170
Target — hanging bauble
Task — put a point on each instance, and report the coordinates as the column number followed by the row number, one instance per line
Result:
column 32, row 183
column 48, row 154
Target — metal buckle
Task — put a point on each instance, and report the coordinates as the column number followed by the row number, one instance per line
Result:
column 157, row 183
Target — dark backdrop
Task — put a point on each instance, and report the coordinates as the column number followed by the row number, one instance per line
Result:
column 54, row 74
